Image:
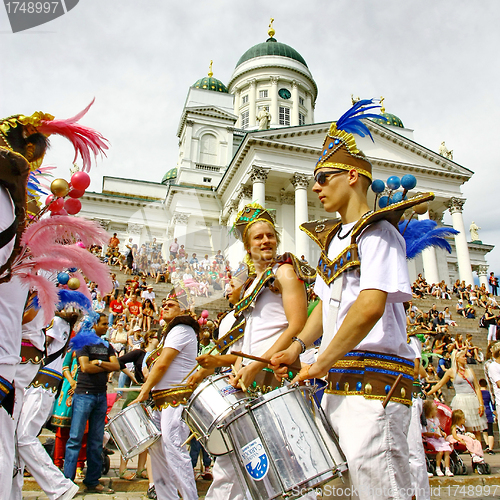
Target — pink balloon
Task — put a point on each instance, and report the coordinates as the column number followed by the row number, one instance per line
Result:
column 80, row 180
column 76, row 193
column 49, row 199
column 57, row 205
column 200, row 321
column 60, row 212
column 72, row 206
column 204, row 314
column 80, row 244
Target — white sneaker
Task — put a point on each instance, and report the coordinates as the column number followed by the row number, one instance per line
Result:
column 477, row 459
column 448, row 472
column 430, row 474
column 70, row 493
column 439, row 472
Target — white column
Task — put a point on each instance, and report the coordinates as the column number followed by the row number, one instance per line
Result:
column 429, row 260
column 295, row 104
column 455, row 206
column 301, row 183
column 482, row 272
column 252, row 103
column 259, row 177
column 274, row 101
column 287, row 221
column 237, row 102
column 309, row 117
column 189, row 140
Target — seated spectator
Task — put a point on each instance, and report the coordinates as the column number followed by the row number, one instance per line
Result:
column 148, row 311
column 473, row 351
column 433, row 312
column 459, row 342
column 98, row 304
column 119, row 338
column 444, row 364
column 447, row 317
column 413, row 307
column 460, row 307
column 219, row 258
column 431, row 380
column 193, row 261
column 205, row 262
column 439, row 324
column 116, row 308
column 134, row 311
column 469, row 311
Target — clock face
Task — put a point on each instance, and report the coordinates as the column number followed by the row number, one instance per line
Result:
column 284, row 93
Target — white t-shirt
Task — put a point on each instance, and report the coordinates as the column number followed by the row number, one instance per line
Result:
column 416, row 347
column 494, row 374
column 148, row 295
column 182, row 338
column 383, row 267
column 33, row 332
column 7, row 216
column 224, row 326
column 265, row 321
column 59, row 330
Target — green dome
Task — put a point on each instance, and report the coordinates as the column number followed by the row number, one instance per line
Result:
column 210, row 83
column 391, row 120
column 271, row 47
column 170, row 175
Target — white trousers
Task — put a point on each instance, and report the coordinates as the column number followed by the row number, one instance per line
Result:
column 23, row 377
column 171, row 463
column 37, row 407
column 418, row 468
column 374, row 441
column 225, row 485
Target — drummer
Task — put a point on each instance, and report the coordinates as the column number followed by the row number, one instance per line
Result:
column 168, row 365
column 274, row 307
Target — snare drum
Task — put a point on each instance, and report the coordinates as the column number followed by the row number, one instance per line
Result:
column 133, row 430
column 282, row 446
column 212, row 401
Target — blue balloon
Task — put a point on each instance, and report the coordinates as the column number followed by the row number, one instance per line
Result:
column 397, row 197
column 383, row 201
column 408, row 181
column 63, row 278
column 378, row 186
column 393, row 182
column 73, row 269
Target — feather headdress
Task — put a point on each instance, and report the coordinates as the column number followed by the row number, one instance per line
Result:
column 87, row 335
column 73, row 298
column 422, row 234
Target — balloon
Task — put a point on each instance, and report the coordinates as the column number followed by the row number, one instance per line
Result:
column 397, row 197
column 56, row 205
column 63, row 278
column 59, row 187
column 408, row 181
column 383, row 202
column 59, row 212
column 74, row 284
column 80, row 180
column 80, row 244
column 49, row 199
column 378, row 186
column 421, row 208
column 200, row 321
column 76, row 193
column 393, row 182
column 204, row 314
column 72, row 206
column 73, row 269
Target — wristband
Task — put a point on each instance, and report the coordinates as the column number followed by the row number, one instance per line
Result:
column 302, row 345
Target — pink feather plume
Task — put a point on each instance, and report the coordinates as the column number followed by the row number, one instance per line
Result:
column 47, row 231
column 48, row 298
column 64, row 256
column 85, row 140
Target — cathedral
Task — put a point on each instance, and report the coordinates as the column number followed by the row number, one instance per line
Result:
column 254, row 139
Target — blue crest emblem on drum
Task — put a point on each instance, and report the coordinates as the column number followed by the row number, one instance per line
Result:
column 255, row 459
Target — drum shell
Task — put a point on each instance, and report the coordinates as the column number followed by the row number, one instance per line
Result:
column 133, row 431
column 213, row 401
column 298, row 453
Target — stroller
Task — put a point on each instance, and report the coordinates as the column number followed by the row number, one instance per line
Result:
column 457, row 465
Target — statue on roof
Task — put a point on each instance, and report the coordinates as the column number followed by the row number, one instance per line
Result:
column 264, row 118
column 474, row 228
column 444, row 151
column 354, row 100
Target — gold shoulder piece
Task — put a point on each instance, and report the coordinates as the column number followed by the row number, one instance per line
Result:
column 321, row 231
column 304, row 272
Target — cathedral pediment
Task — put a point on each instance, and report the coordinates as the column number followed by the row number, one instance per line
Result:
column 207, row 111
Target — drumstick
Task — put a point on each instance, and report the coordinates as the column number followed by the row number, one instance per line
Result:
column 243, row 386
column 196, row 366
column 391, row 392
column 188, row 439
column 253, row 358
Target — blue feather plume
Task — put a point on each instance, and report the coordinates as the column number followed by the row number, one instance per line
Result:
column 73, row 298
column 87, row 334
column 422, row 234
column 351, row 121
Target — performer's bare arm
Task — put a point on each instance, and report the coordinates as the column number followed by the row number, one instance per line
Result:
column 161, row 365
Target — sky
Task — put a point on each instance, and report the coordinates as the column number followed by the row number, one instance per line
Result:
column 436, row 64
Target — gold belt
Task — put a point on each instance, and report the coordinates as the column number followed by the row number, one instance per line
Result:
column 171, row 397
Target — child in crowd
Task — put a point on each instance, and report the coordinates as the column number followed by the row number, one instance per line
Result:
column 489, row 409
column 435, row 436
column 459, row 435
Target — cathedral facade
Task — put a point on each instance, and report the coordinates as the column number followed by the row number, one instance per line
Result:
column 255, row 139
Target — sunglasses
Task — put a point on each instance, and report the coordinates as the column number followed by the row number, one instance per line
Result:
column 321, row 177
